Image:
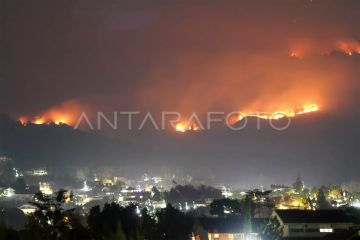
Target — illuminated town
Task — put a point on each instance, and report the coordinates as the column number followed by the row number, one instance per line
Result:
column 208, row 204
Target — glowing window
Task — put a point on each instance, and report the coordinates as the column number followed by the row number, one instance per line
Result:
column 326, row 230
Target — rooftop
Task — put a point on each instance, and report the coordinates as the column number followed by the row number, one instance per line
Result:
column 310, row 216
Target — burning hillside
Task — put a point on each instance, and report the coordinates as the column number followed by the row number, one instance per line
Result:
column 63, row 114
column 194, row 124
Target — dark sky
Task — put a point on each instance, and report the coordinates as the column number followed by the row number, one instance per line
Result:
column 187, row 56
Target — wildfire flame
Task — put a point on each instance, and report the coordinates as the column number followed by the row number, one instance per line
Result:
column 308, row 108
column 54, row 117
column 184, row 126
column 23, row 120
column 280, row 114
column 63, row 114
column 348, row 47
column 295, row 54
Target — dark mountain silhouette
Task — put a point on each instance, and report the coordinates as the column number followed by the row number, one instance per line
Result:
column 247, row 157
column 54, row 145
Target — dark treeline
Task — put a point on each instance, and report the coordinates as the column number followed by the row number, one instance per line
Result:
column 54, row 221
column 189, row 193
column 56, row 218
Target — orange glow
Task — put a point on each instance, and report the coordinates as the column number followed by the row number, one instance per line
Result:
column 23, row 120
column 66, row 219
column 286, row 113
column 307, row 108
column 38, row 120
column 62, row 114
column 267, row 115
column 295, row 54
column 349, row 47
column 52, row 116
column 303, row 47
column 180, row 127
column 184, row 127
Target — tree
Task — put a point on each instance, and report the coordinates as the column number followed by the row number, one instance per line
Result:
column 51, row 219
column 189, row 193
column 114, row 222
column 261, row 198
column 299, row 184
column 335, row 192
column 7, row 233
column 119, row 234
column 173, row 224
column 321, row 202
column 156, row 194
column 308, row 203
column 95, row 222
column 224, row 206
column 247, row 213
column 272, row 230
column 314, row 192
column 148, row 226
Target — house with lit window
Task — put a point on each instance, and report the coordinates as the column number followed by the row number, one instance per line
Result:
column 312, row 224
column 223, row 229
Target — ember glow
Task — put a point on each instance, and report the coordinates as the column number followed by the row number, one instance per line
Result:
column 289, row 113
column 63, row 114
column 48, row 118
column 308, row 108
column 302, row 48
column 23, row 120
column 349, row 47
column 185, row 126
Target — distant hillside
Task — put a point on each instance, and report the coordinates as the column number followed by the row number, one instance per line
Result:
column 250, row 156
column 54, row 145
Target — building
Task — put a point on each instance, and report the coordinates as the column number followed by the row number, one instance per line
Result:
column 234, row 236
column 352, row 234
column 45, row 188
column 28, row 209
column 312, row 224
column 39, row 172
column 222, row 229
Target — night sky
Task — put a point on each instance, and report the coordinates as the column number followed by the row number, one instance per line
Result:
column 193, row 56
